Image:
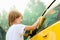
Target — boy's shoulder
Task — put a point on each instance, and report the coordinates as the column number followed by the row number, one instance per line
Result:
column 18, row 25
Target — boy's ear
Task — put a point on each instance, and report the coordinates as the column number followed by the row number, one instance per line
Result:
column 15, row 21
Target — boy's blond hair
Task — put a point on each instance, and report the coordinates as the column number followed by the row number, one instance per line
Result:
column 13, row 15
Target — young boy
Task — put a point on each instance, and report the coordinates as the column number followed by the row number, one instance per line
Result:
column 16, row 30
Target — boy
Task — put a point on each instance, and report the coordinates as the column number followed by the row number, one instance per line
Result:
column 16, row 30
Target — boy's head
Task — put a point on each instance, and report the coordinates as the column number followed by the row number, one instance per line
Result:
column 14, row 17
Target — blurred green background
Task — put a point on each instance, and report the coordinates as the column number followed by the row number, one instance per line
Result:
column 32, row 11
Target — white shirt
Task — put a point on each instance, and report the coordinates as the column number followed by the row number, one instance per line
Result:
column 15, row 32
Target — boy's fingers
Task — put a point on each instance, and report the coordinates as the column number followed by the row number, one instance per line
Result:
column 41, row 18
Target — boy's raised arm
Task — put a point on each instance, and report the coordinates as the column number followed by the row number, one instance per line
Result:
column 36, row 24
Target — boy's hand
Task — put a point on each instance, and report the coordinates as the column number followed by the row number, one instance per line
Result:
column 41, row 19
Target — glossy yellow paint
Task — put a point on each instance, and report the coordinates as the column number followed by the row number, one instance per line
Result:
column 50, row 33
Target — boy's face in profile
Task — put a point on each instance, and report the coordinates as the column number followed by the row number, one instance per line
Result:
column 19, row 20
